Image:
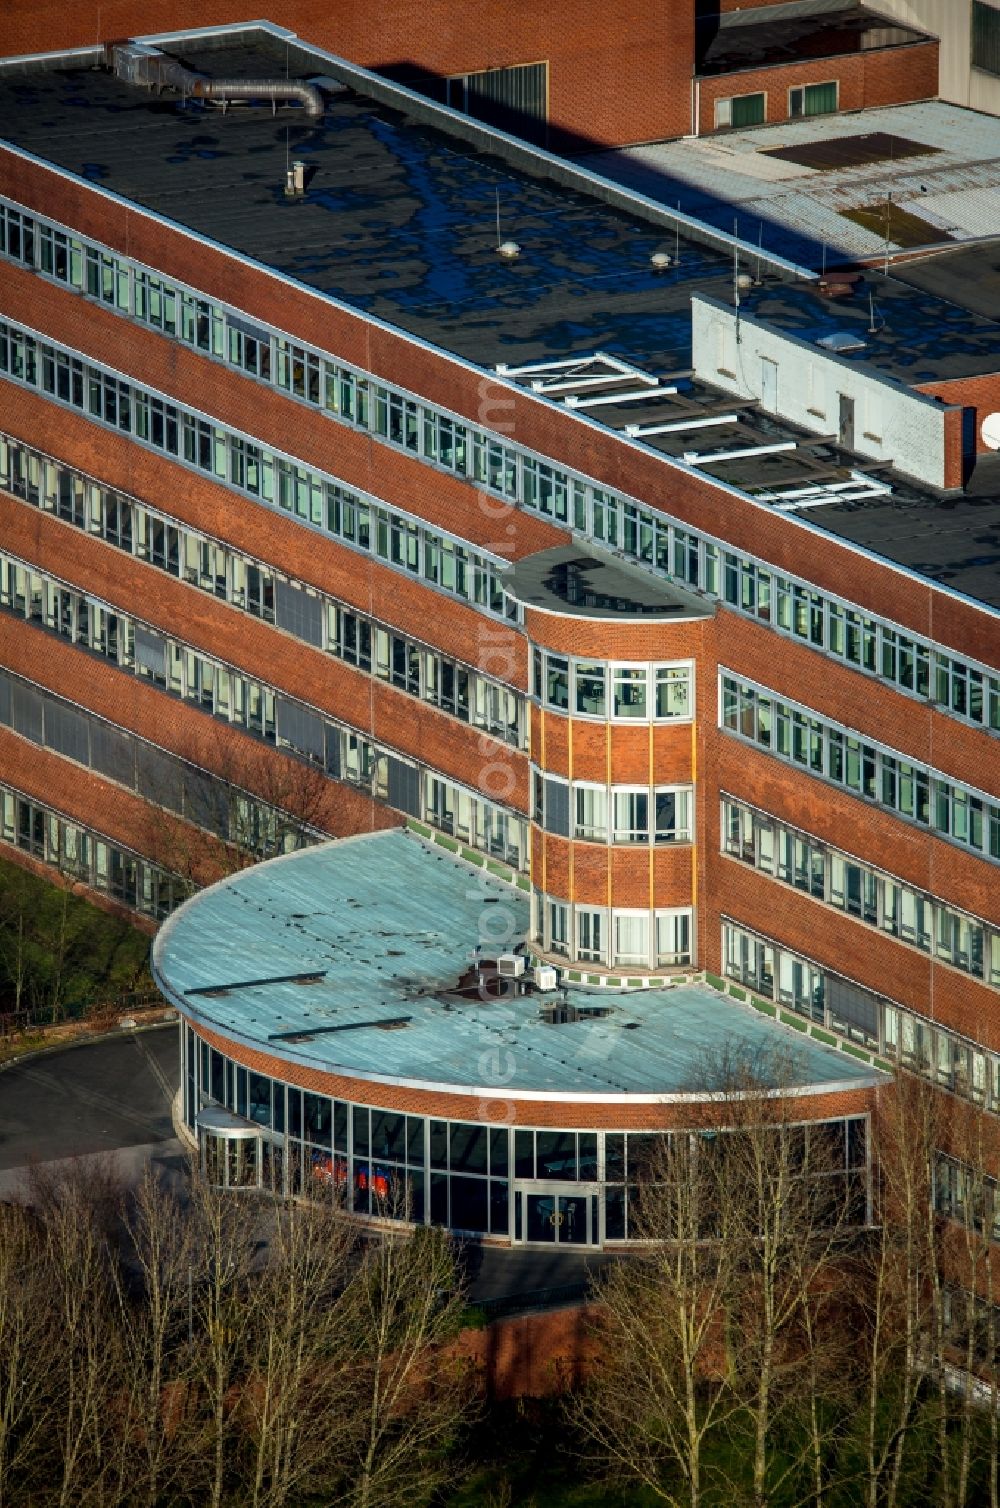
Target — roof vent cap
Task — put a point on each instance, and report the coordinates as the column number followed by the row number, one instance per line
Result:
column 509, row 249
column 661, row 260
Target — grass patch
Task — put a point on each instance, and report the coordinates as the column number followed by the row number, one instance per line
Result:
column 903, row 228
column 763, row 1005
column 715, row 982
column 471, row 857
column 794, row 1021
column 737, row 993
column 822, row 1036
column 60, row 953
column 855, row 1052
column 448, row 843
column 418, row 827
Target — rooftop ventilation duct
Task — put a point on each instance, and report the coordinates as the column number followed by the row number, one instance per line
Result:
column 138, row 64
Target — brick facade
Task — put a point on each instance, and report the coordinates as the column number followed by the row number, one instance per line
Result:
column 980, row 394
column 504, row 1107
column 866, row 80
column 608, row 83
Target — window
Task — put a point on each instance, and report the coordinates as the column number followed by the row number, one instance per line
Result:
column 591, row 812
column 515, row 98
column 590, row 929
column 631, row 816
column 985, row 37
column 673, row 691
column 673, row 815
column 558, row 927
column 629, row 691
column 591, row 689
column 813, row 99
column 673, row 938
column 741, row 110
column 631, row 939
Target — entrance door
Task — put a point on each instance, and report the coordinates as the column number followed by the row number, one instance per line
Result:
column 846, row 430
column 769, row 385
column 556, row 1215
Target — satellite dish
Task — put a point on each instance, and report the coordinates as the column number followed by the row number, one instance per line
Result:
column 991, row 431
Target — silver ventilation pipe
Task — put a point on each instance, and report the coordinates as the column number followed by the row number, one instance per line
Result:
column 272, row 89
column 137, row 63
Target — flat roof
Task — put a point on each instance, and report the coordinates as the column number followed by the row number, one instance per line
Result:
column 581, row 582
column 953, row 183
column 907, row 333
column 399, row 221
column 399, row 218
column 766, row 37
column 345, row 958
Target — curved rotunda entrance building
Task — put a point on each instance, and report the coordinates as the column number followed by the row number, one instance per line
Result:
column 349, row 1020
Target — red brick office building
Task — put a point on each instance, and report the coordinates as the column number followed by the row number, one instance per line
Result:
column 579, row 76
column 285, row 397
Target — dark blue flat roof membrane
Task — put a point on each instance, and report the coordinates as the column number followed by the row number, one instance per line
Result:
column 399, row 220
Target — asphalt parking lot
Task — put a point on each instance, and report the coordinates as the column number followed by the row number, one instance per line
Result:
column 97, row 1097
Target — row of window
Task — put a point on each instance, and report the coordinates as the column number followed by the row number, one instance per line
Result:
column 867, row 643
column 751, row 109
column 615, row 814
column 402, row 542
column 217, row 806
column 618, row 939
column 253, row 706
column 864, row 642
column 895, row 1034
column 625, row 693
column 255, row 588
column 86, row 856
column 861, row 891
column 869, row 770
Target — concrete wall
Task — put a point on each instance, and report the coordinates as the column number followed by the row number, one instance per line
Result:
column 892, row 423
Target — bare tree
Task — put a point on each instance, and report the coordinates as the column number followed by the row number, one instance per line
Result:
column 662, row 1388
column 154, row 1287
column 789, row 1209
column 25, row 1337
column 227, row 1237
column 411, row 1395
column 76, row 1206
column 297, row 1411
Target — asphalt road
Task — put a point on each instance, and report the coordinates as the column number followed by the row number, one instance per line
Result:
column 98, row 1097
